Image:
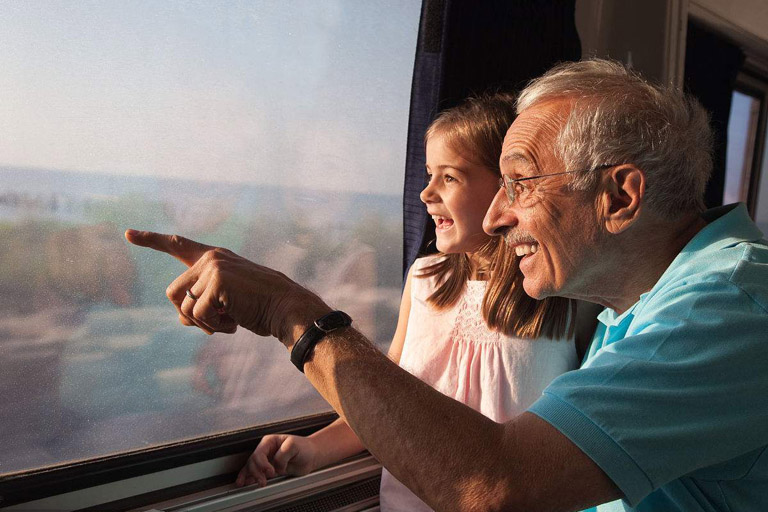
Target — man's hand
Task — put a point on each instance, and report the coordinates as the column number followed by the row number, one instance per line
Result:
column 221, row 290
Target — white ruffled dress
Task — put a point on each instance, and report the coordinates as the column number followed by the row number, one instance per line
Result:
column 455, row 352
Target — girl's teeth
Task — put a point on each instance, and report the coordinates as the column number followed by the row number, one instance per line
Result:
column 442, row 221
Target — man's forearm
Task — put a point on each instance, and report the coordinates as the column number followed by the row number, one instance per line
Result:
column 445, row 452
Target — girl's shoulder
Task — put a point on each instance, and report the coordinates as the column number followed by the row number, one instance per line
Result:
column 425, row 261
column 423, row 286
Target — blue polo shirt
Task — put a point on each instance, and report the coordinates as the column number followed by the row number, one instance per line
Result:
column 672, row 399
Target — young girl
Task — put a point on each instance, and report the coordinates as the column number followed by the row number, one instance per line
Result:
column 466, row 326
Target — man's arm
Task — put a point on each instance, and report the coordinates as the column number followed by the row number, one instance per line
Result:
column 451, row 456
column 448, row 454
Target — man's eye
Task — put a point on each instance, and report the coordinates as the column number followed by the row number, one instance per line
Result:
column 520, row 188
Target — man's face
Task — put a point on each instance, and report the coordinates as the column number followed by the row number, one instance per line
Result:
column 553, row 229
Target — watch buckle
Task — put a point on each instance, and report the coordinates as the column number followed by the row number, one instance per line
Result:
column 326, row 331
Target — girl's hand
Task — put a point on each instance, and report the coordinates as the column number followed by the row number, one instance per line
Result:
column 279, row 454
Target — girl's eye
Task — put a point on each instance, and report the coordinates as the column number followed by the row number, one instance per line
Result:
column 448, row 178
column 429, row 177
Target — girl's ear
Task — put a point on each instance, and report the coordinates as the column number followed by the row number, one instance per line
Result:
column 621, row 197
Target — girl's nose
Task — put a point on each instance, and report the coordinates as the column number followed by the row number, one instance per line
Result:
column 428, row 195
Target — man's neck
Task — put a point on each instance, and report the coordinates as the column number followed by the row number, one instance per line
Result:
column 641, row 258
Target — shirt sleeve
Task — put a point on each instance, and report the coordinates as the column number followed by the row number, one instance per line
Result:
column 686, row 388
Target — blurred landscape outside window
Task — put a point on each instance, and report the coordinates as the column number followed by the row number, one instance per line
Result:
column 276, row 129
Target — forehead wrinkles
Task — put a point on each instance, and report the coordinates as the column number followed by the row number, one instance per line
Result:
column 533, row 134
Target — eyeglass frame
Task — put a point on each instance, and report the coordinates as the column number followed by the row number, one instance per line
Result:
column 505, row 182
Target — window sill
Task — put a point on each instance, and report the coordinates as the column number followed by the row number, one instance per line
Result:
column 131, row 480
column 350, row 485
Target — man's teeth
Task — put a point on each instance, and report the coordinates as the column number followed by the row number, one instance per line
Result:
column 525, row 249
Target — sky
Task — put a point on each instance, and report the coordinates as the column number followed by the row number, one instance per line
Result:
column 272, row 92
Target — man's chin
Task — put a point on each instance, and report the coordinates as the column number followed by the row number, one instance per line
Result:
column 535, row 289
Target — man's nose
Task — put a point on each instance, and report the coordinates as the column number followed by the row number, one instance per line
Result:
column 500, row 215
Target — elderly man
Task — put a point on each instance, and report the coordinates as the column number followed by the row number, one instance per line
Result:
column 604, row 176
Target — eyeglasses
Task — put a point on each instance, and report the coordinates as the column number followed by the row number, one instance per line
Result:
column 517, row 191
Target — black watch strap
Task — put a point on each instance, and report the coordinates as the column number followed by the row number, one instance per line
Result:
column 322, row 326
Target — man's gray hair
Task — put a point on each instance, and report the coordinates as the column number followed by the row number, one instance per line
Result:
column 619, row 117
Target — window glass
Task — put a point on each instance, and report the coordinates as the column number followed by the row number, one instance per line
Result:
column 274, row 128
column 761, row 206
column 742, row 133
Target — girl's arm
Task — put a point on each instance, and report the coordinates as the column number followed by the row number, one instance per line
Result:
column 398, row 340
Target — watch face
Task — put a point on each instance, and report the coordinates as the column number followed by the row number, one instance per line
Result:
column 334, row 320
column 323, row 325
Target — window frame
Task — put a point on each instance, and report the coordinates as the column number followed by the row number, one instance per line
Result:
column 48, row 482
column 749, row 81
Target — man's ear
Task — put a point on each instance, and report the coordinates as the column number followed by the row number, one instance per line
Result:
column 621, row 197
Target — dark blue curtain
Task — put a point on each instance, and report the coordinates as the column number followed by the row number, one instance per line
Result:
column 467, row 47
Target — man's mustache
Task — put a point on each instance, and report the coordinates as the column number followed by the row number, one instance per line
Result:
column 518, row 237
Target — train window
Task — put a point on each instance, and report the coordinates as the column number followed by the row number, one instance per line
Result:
column 277, row 129
column 757, row 197
column 742, row 135
column 761, row 195
column 746, row 177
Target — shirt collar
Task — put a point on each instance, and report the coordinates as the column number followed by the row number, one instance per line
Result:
column 610, row 317
column 726, row 226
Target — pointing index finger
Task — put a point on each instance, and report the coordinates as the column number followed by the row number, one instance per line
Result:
column 183, row 249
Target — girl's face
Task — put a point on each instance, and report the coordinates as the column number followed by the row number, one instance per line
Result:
column 457, row 196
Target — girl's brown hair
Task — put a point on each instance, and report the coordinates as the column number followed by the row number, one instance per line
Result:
column 475, row 129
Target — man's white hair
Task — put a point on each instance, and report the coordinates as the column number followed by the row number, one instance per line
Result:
column 619, row 117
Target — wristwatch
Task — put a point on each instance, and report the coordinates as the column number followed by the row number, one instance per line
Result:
column 322, row 326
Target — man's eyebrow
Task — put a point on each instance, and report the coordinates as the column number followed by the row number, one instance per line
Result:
column 516, row 157
column 521, row 159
